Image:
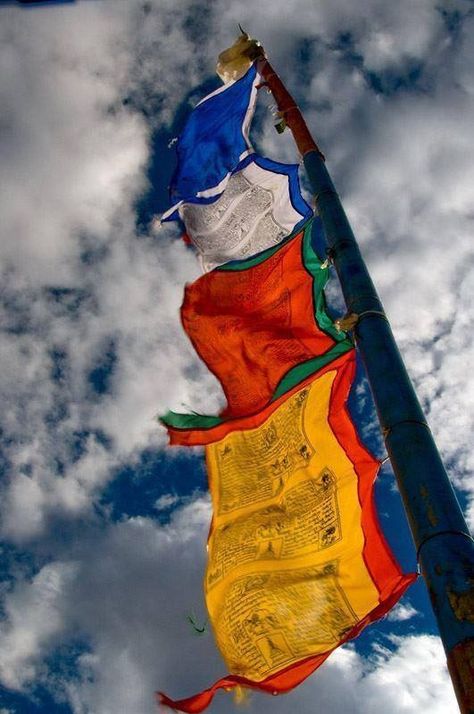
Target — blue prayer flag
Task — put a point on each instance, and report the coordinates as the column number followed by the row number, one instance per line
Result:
column 233, row 202
column 214, row 141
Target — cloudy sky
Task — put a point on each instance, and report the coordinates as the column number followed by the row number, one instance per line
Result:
column 102, row 526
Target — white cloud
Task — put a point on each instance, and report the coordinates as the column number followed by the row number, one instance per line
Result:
column 67, row 162
column 401, row 612
column 34, row 621
column 74, row 150
column 397, row 678
column 74, row 160
column 398, row 34
column 127, row 594
column 167, row 501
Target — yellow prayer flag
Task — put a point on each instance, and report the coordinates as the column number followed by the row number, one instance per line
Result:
column 297, row 563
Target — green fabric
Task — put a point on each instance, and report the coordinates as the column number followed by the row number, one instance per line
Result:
column 190, row 421
column 236, row 265
column 305, row 369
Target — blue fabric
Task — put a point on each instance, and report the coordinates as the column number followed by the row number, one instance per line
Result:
column 212, row 140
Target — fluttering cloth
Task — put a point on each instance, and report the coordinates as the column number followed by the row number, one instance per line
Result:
column 297, row 563
column 232, row 202
column 214, row 141
column 261, row 327
column 260, row 206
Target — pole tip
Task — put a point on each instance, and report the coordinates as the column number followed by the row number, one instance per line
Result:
column 235, row 60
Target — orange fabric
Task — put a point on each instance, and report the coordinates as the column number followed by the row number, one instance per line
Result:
column 377, row 554
column 201, row 437
column 251, row 326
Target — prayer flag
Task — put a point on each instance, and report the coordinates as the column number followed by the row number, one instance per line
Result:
column 297, row 563
column 259, row 207
column 214, row 141
column 233, row 203
column 261, row 327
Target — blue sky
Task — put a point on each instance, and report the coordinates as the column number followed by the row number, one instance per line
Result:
column 102, row 526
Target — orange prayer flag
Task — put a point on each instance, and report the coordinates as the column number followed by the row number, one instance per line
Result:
column 261, row 327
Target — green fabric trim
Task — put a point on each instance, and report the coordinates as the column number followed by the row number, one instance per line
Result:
column 236, row 265
column 291, row 379
column 190, row 421
column 305, row 369
column 320, row 276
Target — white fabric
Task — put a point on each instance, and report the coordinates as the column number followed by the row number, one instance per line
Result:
column 253, row 213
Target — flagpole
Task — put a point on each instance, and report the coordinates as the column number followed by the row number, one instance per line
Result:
column 445, row 549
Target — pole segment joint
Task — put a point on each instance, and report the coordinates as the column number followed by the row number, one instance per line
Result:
column 442, row 533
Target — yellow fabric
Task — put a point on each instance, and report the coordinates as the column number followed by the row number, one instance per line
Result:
column 286, row 577
column 235, row 61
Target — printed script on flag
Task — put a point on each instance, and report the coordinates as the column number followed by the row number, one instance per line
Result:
column 260, row 206
column 297, row 563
